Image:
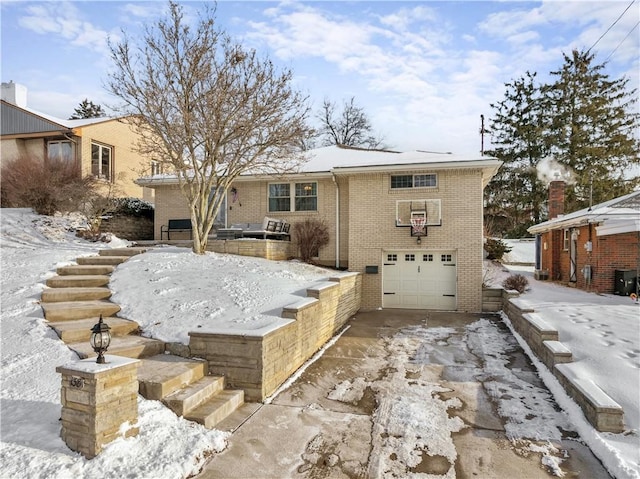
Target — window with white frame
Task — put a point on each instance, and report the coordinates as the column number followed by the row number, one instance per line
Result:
column 565, row 240
column 156, row 168
column 101, row 159
column 60, row 150
column 414, row 181
column 294, row 196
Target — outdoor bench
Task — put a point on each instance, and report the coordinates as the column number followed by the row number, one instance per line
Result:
column 181, row 225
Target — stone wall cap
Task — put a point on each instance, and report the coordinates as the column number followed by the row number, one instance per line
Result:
column 324, row 285
column 346, row 274
column 255, row 333
column 89, row 365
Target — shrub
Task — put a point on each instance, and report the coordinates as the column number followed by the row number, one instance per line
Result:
column 46, row 186
column 517, row 282
column 495, row 248
column 311, row 234
column 132, row 207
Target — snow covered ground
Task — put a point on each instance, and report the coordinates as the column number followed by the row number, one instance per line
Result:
column 170, row 292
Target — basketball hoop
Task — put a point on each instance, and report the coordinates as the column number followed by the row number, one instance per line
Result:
column 418, row 226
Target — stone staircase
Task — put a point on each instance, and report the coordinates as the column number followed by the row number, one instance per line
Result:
column 79, row 295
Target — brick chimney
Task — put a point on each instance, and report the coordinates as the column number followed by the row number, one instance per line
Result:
column 556, row 198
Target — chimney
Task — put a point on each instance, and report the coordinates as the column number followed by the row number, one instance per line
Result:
column 556, row 198
column 15, row 94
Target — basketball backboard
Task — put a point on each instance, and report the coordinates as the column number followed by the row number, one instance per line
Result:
column 407, row 209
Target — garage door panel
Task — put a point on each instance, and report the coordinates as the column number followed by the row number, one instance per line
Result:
column 420, row 280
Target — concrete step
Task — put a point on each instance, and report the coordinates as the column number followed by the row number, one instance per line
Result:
column 217, row 408
column 238, row 417
column 78, row 281
column 102, row 260
column 70, row 310
column 193, row 395
column 85, row 269
column 121, row 251
column 128, row 346
column 160, row 376
column 80, row 329
column 57, row 295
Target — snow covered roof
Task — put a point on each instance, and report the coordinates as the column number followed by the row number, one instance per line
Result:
column 341, row 160
column 623, row 212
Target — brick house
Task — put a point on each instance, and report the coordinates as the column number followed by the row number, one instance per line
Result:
column 593, row 249
column 103, row 146
column 367, row 199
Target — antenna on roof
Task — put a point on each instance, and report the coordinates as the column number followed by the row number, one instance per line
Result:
column 482, row 132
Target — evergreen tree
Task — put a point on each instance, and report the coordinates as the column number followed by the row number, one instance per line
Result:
column 583, row 121
column 515, row 195
column 87, row 109
column 592, row 130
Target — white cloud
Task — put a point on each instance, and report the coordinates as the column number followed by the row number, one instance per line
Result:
column 64, row 21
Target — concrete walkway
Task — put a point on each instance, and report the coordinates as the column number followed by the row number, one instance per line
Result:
column 305, row 433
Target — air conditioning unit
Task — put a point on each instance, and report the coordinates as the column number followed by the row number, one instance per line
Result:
column 625, row 282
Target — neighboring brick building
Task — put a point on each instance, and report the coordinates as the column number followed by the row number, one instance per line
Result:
column 586, row 248
column 103, row 146
column 367, row 199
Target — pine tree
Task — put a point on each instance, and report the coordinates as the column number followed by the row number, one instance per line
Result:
column 592, row 130
column 515, row 195
column 87, row 109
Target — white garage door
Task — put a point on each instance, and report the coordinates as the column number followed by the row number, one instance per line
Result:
column 419, row 280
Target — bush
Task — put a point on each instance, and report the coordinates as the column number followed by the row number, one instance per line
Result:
column 132, row 207
column 495, row 248
column 311, row 234
column 516, row 282
column 46, row 186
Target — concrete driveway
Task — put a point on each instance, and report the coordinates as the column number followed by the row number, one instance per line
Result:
column 411, row 394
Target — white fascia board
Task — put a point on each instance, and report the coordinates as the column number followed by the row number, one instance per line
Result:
column 445, row 165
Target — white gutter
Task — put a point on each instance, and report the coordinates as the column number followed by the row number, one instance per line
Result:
column 337, row 221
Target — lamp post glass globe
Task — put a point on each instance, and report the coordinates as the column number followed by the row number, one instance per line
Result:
column 100, row 339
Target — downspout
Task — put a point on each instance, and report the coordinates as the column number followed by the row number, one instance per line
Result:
column 333, row 176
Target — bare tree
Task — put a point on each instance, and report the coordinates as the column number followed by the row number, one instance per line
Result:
column 349, row 127
column 207, row 109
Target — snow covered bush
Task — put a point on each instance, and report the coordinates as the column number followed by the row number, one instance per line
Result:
column 132, row 207
column 516, row 282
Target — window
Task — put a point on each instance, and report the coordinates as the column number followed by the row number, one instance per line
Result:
column 446, row 258
column 60, row 150
column 565, row 240
column 414, row 181
column 392, row 257
column 156, row 168
column 427, row 257
column 101, row 156
column 409, row 257
column 305, row 196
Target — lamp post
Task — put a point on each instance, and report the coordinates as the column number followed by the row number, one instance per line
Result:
column 100, row 339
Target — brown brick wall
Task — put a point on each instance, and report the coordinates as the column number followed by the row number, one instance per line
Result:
column 609, row 253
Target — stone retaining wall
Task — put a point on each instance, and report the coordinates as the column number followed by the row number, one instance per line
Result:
column 128, row 227
column 269, row 249
column 600, row 410
column 260, row 361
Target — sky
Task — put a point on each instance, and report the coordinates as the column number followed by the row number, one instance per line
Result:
column 601, row 331
column 423, row 71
